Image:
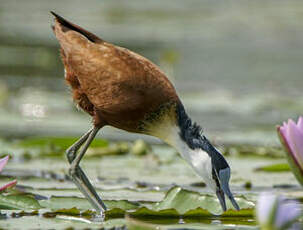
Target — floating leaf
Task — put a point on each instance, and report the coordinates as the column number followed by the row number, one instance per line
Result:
column 145, row 212
column 132, row 223
column 246, row 212
column 20, row 201
column 57, row 203
column 180, row 202
column 68, row 211
column 183, row 200
column 284, row 167
column 194, row 213
column 60, row 222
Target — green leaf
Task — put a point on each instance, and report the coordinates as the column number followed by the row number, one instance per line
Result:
column 246, row 212
column 64, row 222
column 135, row 224
column 183, row 201
column 114, row 213
column 68, row 211
column 20, row 201
column 57, row 203
column 145, row 212
column 177, row 202
column 283, row 167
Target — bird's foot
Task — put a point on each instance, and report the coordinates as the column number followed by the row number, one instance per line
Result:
column 99, row 216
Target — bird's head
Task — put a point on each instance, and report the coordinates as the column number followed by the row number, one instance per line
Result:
column 210, row 164
column 218, row 171
column 205, row 159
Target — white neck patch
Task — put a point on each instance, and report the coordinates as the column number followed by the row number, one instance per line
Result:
column 197, row 158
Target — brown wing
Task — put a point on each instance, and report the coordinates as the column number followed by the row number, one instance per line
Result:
column 121, row 86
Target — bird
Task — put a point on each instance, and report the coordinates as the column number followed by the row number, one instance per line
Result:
column 120, row 88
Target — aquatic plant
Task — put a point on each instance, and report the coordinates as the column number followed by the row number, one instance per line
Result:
column 277, row 213
column 3, row 162
column 291, row 136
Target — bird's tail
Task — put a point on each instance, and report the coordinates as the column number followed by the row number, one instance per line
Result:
column 67, row 26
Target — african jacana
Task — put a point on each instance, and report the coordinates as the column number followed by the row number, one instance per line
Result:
column 120, row 88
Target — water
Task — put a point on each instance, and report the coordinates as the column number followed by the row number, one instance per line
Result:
column 237, row 66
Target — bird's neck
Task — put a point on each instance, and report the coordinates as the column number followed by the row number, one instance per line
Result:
column 173, row 126
column 181, row 134
column 176, row 129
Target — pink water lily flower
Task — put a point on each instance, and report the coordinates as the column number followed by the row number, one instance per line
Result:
column 291, row 136
column 3, row 162
column 277, row 213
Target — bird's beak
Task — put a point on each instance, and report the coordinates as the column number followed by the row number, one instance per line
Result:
column 224, row 176
column 221, row 197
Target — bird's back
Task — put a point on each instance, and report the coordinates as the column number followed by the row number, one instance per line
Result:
column 114, row 85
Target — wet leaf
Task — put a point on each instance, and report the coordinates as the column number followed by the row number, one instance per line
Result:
column 135, row 224
column 114, row 213
column 20, row 201
column 69, row 211
column 146, row 212
column 193, row 213
column 183, row 201
column 58, row 222
column 246, row 212
column 122, row 204
column 57, row 203
column 284, row 167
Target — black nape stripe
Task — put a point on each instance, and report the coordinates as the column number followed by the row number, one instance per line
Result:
column 191, row 134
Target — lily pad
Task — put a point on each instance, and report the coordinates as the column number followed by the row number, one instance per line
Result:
column 60, row 203
column 183, row 201
column 60, row 222
column 284, row 167
column 186, row 223
column 19, row 201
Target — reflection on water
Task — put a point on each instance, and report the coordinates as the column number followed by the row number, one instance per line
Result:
column 237, row 65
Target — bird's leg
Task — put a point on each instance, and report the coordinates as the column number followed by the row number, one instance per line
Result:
column 79, row 176
column 72, row 150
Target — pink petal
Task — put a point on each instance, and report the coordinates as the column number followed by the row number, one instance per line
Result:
column 295, row 142
column 3, row 162
column 300, row 123
column 282, row 129
column 288, row 210
column 9, row 185
column 265, row 207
